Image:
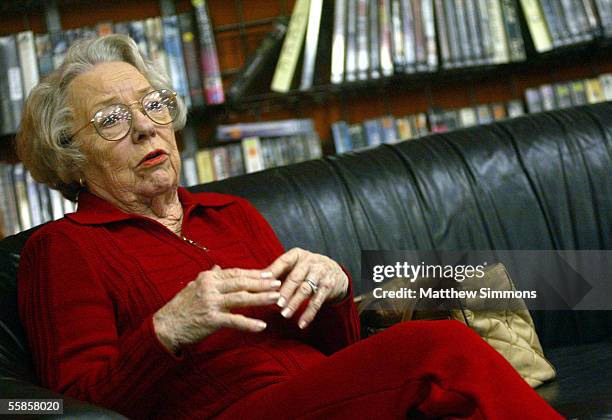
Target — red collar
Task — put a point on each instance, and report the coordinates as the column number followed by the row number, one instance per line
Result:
column 93, row 210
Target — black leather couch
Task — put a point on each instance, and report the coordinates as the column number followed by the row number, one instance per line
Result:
column 537, row 182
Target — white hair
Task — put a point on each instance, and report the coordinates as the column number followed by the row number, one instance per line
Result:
column 43, row 140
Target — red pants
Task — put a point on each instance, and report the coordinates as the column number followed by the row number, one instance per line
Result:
column 417, row 369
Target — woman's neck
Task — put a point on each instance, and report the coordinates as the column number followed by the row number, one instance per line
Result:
column 164, row 208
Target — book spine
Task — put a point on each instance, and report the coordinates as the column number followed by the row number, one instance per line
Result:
column 357, row 136
column 606, row 83
column 474, row 31
column 338, row 42
column 537, row 26
column 190, row 53
column 190, row 170
column 351, row 41
column 221, row 164
column 13, row 77
column 27, row 60
column 389, row 132
column 453, row 34
column 604, row 10
column 290, row 52
column 11, row 211
column 430, row 34
column 155, row 44
column 499, row 111
column 235, row 158
column 484, row 24
column 264, row 129
column 591, row 17
column 57, row 208
column 578, row 92
column 323, row 54
column 176, row 62
column 547, row 93
column 373, row 132
column 45, row 202
column 253, row 158
column 21, row 195
column 59, row 47
column 341, row 137
column 594, row 91
column 121, row 28
column 374, row 39
column 33, row 199
column 464, row 38
column 363, row 48
column 211, row 73
column 437, row 122
column 408, row 32
column 485, row 116
column 104, row 28
column 310, row 48
column 467, row 117
column 562, row 95
column 6, row 110
column 137, row 32
column 419, row 36
column 384, row 34
column 500, row 43
column 44, row 53
column 314, row 145
column 397, row 38
column 515, row 108
column 554, row 22
column 516, row 48
column 582, row 21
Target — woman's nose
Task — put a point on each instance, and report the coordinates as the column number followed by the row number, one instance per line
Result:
column 143, row 127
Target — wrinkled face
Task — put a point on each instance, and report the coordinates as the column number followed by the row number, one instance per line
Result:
column 141, row 165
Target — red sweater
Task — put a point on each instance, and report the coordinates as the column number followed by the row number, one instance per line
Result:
column 90, row 283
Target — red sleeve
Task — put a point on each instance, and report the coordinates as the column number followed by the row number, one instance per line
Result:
column 71, row 327
column 337, row 325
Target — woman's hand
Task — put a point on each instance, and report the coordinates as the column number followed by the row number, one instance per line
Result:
column 308, row 275
column 204, row 305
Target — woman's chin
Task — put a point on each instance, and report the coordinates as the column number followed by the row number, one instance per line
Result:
column 156, row 184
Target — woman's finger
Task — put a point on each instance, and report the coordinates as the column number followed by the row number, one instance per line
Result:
column 315, row 304
column 301, row 292
column 244, row 298
column 242, row 272
column 285, row 263
column 292, row 283
column 240, row 322
column 236, row 284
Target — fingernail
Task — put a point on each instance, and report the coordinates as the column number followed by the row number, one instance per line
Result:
column 261, row 325
column 276, row 283
column 266, row 274
column 285, row 312
column 281, row 302
column 302, row 324
column 273, row 296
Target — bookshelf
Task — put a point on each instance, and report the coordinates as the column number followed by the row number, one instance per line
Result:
column 241, row 25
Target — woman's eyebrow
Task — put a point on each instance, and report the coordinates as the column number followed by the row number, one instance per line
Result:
column 112, row 99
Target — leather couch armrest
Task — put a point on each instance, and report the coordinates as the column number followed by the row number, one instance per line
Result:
column 73, row 408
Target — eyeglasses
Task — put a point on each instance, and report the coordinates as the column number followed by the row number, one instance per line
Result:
column 113, row 122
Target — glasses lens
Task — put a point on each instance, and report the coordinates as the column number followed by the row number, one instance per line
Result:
column 160, row 106
column 113, row 122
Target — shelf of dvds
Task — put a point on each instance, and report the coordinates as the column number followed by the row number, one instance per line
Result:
column 433, row 64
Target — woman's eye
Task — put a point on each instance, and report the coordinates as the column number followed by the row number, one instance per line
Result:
column 109, row 121
column 153, row 106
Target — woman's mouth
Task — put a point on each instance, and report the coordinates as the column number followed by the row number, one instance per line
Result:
column 153, row 158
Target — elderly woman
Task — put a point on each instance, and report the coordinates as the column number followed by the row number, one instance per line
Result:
column 161, row 303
